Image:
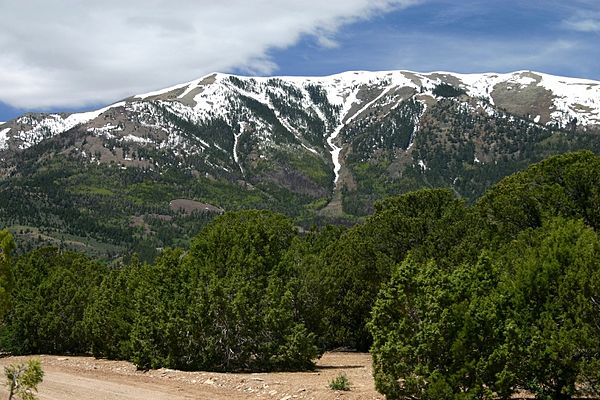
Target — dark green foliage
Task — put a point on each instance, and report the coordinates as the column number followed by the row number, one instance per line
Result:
column 108, row 317
column 50, row 291
column 437, row 330
column 551, row 280
column 523, row 316
column 243, row 240
column 566, row 185
column 456, row 301
column 247, row 314
column 426, row 222
column 160, row 327
column 305, row 265
column 7, row 245
column 226, row 305
column 446, row 90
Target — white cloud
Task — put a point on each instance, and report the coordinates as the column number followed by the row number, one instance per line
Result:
column 583, row 24
column 327, row 41
column 582, row 16
column 71, row 53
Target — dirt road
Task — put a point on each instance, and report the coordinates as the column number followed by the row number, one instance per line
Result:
column 70, row 378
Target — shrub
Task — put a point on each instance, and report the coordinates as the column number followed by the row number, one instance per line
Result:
column 226, row 305
column 22, row 379
column 522, row 317
column 340, row 382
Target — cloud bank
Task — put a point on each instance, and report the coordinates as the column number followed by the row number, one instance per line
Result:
column 69, row 53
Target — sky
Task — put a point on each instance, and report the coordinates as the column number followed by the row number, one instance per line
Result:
column 73, row 55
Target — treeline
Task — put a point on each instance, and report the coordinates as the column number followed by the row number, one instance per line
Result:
column 454, row 301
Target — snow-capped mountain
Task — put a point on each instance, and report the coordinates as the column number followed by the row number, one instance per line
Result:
column 311, row 135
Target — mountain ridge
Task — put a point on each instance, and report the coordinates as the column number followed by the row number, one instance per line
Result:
column 317, row 148
column 207, row 95
column 476, row 85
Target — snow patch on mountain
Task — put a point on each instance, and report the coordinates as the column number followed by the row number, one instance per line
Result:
column 350, row 96
column 105, row 131
column 480, row 85
column 162, row 91
column 347, row 104
column 136, row 139
column 214, row 100
column 53, row 124
column 575, row 98
column 81, row 118
column 236, row 139
column 366, row 106
column 4, row 138
column 415, row 121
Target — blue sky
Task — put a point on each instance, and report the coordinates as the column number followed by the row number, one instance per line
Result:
column 460, row 36
column 81, row 57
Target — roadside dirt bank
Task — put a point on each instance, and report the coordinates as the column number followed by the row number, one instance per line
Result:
column 70, row 378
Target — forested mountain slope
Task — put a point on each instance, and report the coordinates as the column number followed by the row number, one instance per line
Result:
column 453, row 300
column 316, row 148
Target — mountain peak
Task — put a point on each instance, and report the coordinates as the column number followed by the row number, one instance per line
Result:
column 226, row 123
column 312, row 147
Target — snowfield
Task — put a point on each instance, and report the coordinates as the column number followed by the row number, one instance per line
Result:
column 218, row 95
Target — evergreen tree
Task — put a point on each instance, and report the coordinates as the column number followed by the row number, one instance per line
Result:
column 7, row 245
column 50, row 292
column 551, row 278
